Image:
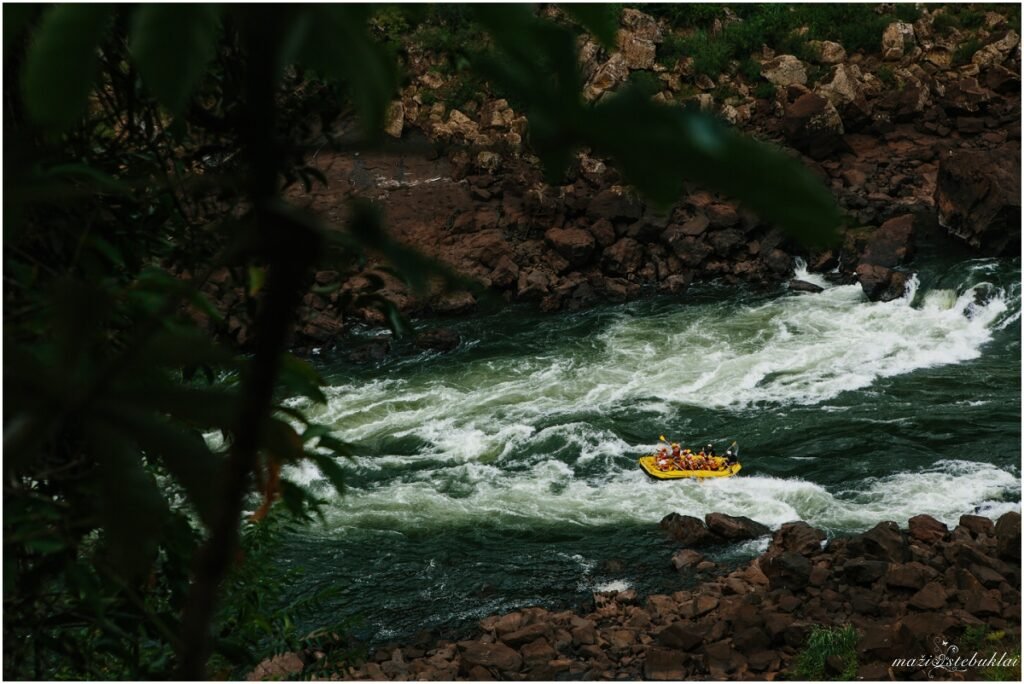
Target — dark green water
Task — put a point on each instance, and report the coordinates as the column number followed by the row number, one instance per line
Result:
column 504, row 474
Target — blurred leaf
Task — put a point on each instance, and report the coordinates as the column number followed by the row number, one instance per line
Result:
column 299, row 376
column 600, row 19
column 281, row 440
column 17, row 17
column 339, row 45
column 84, row 172
column 172, row 45
column 132, row 507
column 334, row 473
column 61, row 64
column 184, row 454
column 257, row 277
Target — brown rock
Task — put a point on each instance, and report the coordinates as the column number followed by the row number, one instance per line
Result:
column 680, row 635
column 734, row 528
column 663, row 664
column 686, row 558
column 911, row 575
column 977, row 194
column 978, row 525
column 892, row 244
column 603, row 232
column 698, row 606
column 575, row 244
column 537, row 653
column 881, row 284
column 931, row 597
column 623, row 258
column 281, row 666
column 784, row 70
column 813, row 126
column 927, row 529
column 797, row 537
column 615, row 205
column 525, row 634
column 496, row 655
column 862, row 571
column 1007, row 531
column 786, row 570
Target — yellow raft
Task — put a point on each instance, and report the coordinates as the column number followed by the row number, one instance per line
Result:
column 648, row 463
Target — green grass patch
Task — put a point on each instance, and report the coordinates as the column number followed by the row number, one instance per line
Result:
column 823, row 643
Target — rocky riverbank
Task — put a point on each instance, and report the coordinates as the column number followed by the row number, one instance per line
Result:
column 898, row 588
column 918, row 133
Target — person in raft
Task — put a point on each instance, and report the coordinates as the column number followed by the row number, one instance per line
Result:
column 663, row 461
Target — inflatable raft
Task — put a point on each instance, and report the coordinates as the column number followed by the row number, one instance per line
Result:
column 649, row 464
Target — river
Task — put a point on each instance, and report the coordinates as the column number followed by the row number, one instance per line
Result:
column 504, row 474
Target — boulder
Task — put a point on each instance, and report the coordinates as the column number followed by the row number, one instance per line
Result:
column 686, row 558
column 526, row 634
column 394, row 119
column 497, row 656
column 897, row 40
column 812, row 125
column 995, row 53
column 623, row 258
column 911, row 575
column 663, row 664
column 680, row 635
column 687, row 529
column 1008, row 536
column 796, row 285
column 862, row 571
column 734, row 528
column 281, row 666
column 829, row 52
column 885, row 541
column 881, row 284
column 977, row 195
column 786, row 570
column 607, row 76
column 927, row 529
column 576, row 245
column 441, row 339
column 639, row 52
column 892, row 243
column 931, row 597
column 978, row 525
column 614, row 204
column 797, row 537
column 784, row 70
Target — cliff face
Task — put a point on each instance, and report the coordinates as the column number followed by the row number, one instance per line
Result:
column 922, row 133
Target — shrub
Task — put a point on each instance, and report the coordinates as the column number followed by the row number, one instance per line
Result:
column 822, row 643
column 966, row 50
column 944, row 22
column 684, row 15
column 647, row 82
column 764, row 90
column 885, row 75
column 750, row 69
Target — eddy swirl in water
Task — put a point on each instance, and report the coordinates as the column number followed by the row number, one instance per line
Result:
column 542, row 423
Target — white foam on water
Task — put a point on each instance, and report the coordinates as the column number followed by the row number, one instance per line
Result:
column 612, row 585
column 471, row 424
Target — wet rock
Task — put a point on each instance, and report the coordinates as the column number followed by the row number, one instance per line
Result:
column 927, row 529
column 911, row 575
column 371, row 352
column 881, row 284
column 441, row 339
column 977, row 195
column 686, row 559
column 977, row 525
column 734, row 528
column 1008, row 536
column 797, row 537
column 797, row 285
column 892, row 243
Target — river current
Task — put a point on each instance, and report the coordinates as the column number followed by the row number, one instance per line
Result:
column 504, row 474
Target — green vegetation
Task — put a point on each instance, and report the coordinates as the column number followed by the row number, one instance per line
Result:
column 764, row 90
column 823, row 643
column 886, row 76
column 966, row 50
column 981, row 639
column 154, row 153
